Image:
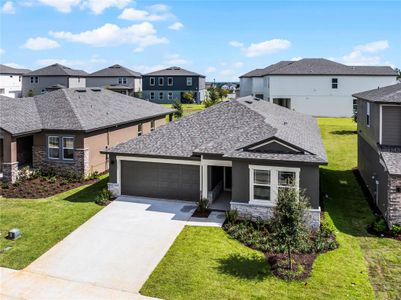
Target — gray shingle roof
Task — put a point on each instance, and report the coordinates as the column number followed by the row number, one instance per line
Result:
column 227, row 128
column 9, row 70
column 173, row 71
column 115, row 71
column 319, row 66
column 56, row 70
column 75, row 109
column 387, row 94
column 392, row 158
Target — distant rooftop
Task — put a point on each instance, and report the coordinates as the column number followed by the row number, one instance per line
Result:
column 387, row 94
column 174, row 71
column 319, row 66
column 57, row 70
column 12, row 71
column 115, row 71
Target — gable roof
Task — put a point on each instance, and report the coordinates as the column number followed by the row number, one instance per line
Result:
column 319, row 66
column 10, row 70
column 56, row 70
column 387, row 94
column 75, row 109
column 228, row 128
column 115, row 71
column 173, row 71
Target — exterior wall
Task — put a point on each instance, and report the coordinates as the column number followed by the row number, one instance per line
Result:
column 176, row 96
column 44, row 82
column 394, row 202
column 391, row 122
column 137, row 85
column 76, row 82
column 370, row 134
column 179, row 83
column 12, row 85
column 245, row 86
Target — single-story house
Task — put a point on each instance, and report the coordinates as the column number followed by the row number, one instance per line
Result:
column 237, row 154
column 65, row 130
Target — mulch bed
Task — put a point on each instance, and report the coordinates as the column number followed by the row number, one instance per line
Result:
column 40, row 187
column 386, row 234
column 201, row 214
column 302, row 265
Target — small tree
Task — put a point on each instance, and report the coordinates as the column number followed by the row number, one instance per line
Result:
column 288, row 222
column 31, row 93
column 189, row 96
column 398, row 71
column 178, row 107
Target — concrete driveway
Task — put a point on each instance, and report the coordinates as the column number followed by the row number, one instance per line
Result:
column 110, row 256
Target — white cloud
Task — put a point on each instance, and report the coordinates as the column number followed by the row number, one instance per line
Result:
column 2, row 51
column 238, row 64
column 159, row 8
column 8, row 8
column 40, row 43
column 211, row 70
column 362, row 54
column 175, row 59
column 64, row 6
column 15, row 65
column 96, row 6
column 141, row 35
column 146, row 69
column 236, row 44
column 267, row 47
column 90, row 64
column 176, row 26
column 296, row 58
column 158, row 12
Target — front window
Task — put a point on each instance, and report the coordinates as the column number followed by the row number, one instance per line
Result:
column 53, row 146
column 161, row 96
column 265, row 183
column 170, row 81
column 367, row 114
column 334, row 83
column 170, row 96
column 152, row 96
column 152, row 81
column 161, row 81
column 122, row 80
column 68, row 148
column 189, row 81
column 152, row 125
column 140, row 128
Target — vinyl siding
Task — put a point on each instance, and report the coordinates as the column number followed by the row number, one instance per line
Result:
column 391, row 131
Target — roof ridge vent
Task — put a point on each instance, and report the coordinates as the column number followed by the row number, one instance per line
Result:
column 81, row 90
column 96, row 90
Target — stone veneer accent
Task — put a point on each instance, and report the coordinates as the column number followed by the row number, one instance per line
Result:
column 10, row 172
column 394, row 201
column 253, row 212
column 114, row 188
column 80, row 164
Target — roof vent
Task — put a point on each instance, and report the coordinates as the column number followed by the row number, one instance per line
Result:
column 81, row 91
column 96, row 90
column 249, row 102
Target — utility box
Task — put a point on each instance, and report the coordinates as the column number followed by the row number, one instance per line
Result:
column 13, row 234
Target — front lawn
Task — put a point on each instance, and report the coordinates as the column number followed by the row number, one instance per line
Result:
column 189, row 108
column 207, row 263
column 44, row 222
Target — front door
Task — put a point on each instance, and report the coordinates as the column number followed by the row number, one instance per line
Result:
column 227, row 178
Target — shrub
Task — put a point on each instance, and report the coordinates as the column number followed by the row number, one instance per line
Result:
column 379, row 225
column 202, row 204
column 179, row 109
column 232, row 215
column 396, row 229
column 103, row 197
column 4, row 185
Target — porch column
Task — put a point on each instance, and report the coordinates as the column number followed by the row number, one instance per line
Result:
column 10, row 163
column 204, row 181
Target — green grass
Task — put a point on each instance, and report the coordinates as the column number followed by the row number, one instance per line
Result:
column 206, row 263
column 189, row 108
column 44, row 222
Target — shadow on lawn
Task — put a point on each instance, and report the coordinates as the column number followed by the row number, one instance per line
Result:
column 346, row 203
column 88, row 193
column 344, row 132
column 245, row 267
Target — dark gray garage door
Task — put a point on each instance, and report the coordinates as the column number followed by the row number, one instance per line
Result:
column 156, row 180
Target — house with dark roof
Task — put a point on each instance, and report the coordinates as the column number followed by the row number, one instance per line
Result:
column 116, row 78
column 65, row 130
column 169, row 85
column 379, row 148
column 51, row 78
column 315, row 86
column 11, row 81
column 237, row 154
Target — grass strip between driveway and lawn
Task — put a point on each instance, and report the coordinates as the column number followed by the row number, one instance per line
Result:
column 44, row 222
column 206, row 263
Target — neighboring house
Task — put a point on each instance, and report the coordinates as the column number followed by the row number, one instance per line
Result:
column 169, row 85
column 379, row 148
column 315, row 86
column 237, row 154
column 65, row 130
column 51, row 78
column 11, row 81
column 116, row 78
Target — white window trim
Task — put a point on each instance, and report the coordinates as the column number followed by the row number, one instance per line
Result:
column 274, row 141
column 172, row 81
column 368, row 114
column 140, row 132
column 150, row 81
column 189, row 78
column 48, row 147
column 170, row 96
column 273, row 183
column 62, row 147
column 152, row 125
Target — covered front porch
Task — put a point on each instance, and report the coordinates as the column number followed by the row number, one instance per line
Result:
column 217, row 183
column 15, row 152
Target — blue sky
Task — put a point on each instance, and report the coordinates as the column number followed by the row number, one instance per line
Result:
column 221, row 39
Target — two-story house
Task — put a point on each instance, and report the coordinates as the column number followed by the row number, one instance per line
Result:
column 11, row 81
column 118, row 79
column 379, row 148
column 169, row 85
column 52, row 78
column 315, row 86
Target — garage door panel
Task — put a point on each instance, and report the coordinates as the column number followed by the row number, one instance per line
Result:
column 156, row 180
